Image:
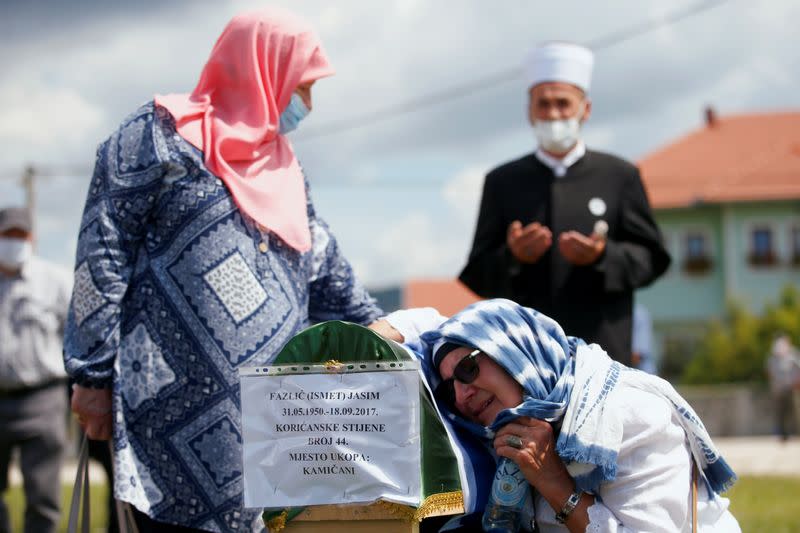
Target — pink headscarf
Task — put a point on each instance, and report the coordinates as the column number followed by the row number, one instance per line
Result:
column 233, row 115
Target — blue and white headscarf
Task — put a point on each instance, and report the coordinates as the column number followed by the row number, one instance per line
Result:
column 565, row 381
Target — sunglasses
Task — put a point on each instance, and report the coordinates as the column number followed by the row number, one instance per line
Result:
column 466, row 371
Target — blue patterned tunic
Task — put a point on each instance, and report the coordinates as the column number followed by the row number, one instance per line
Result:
column 175, row 289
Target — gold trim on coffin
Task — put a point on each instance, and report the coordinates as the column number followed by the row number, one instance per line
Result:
column 445, row 503
column 277, row 523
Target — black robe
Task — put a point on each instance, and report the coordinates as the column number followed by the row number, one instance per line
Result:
column 594, row 302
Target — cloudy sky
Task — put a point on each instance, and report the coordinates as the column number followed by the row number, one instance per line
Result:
column 400, row 139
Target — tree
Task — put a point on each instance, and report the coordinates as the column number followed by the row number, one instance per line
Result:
column 735, row 349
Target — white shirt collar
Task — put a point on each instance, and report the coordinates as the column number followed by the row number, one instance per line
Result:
column 559, row 166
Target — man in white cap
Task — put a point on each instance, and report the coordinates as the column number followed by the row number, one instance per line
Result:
column 34, row 296
column 566, row 230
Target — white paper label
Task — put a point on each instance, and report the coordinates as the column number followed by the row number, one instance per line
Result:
column 313, row 439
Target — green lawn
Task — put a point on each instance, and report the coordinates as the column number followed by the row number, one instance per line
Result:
column 766, row 504
column 761, row 504
column 15, row 500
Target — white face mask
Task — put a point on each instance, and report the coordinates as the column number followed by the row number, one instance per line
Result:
column 558, row 136
column 14, row 252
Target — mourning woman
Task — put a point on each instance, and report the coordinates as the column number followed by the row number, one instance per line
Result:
column 604, row 447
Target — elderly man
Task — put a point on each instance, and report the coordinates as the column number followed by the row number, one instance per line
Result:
column 566, row 230
column 34, row 296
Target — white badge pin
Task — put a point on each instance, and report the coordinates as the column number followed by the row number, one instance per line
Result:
column 597, row 207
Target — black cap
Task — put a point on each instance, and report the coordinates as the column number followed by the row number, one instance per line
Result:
column 15, row 218
column 442, row 352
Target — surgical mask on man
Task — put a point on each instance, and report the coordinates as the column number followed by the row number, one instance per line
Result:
column 293, row 114
column 14, row 252
column 558, row 136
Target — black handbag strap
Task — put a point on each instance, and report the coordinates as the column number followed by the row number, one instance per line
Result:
column 79, row 508
column 80, row 493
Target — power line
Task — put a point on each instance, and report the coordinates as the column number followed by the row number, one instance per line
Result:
column 455, row 92
column 50, row 171
column 497, row 78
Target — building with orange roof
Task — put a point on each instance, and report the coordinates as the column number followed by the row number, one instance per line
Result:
column 448, row 296
column 731, row 160
column 727, row 197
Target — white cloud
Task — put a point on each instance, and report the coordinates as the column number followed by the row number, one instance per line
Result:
column 600, row 137
column 38, row 118
column 463, row 192
column 362, row 266
column 331, row 19
column 414, row 246
column 70, row 80
column 364, row 172
column 407, row 8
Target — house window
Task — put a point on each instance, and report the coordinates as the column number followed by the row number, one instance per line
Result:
column 696, row 246
column 698, row 258
column 794, row 242
column 762, row 250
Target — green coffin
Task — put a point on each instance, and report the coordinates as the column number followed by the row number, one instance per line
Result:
column 345, row 342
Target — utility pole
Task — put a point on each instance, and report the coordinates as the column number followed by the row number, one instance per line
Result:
column 28, row 183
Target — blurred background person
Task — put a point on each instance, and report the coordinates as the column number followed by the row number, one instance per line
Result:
column 566, row 230
column 200, row 252
column 34, row 296
column 783, row 371
column 642, row 356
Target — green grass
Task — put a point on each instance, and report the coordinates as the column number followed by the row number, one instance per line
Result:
column 15, row 500
column 761, row 504
column 766, row 504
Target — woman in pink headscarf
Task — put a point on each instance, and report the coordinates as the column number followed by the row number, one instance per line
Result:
column 200, row 252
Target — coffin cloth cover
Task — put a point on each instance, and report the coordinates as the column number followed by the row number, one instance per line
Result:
column 345, row 342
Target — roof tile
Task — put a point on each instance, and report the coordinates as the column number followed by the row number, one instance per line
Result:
column 738, row 158
column 448, row 296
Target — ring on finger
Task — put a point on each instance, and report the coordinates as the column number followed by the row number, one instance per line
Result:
column 514, row 441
